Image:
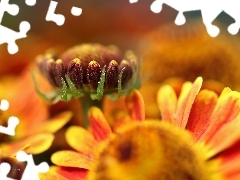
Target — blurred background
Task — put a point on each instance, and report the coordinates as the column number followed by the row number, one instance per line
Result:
column 154, row 37
column 107, row 22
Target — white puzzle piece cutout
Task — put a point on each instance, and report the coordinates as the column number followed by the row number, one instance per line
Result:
column 31, row 170
column 13, row 121
column 209, row 10
column 4, row 170
column 59, row 19
column 8, row 35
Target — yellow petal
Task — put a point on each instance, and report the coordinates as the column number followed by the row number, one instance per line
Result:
column 34, row 144
column 99, row 125
column 69, row 158
column 81, row 140
column 167, row 102
column 54, row 124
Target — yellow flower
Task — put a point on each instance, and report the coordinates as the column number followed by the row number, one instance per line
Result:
column 213, row 121
column 152, row 150
column 198, row 138
column 77, row 161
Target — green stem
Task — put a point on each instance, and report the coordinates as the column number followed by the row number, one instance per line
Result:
column 87, row 103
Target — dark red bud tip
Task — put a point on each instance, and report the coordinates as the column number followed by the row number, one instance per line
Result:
column 58, row 72
column 93, row 74
column 126, row 70
column 112, row 75
column 75, row 73
column 49, row 67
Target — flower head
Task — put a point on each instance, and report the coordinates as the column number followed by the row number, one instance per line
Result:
column 90, row 68
column 152, row 150
column 198, row 138
column 213, row 121
column 85, row 144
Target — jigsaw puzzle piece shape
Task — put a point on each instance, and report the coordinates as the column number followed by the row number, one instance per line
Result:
column 31, row 170
column 11, row 36
column 4, row 170
column 12, row 9
column 30, row 2
column 51, row 16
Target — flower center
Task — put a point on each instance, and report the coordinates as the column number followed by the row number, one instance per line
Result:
column 153, row 150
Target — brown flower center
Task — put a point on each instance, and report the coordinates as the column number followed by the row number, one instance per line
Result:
column 84, row 64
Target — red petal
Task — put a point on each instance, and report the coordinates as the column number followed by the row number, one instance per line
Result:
column 135, row 105
column 225, row 137
column 186, row 99
column 230, row 162
column 73, row 173
column 99, row 125
column 201, row 112
column 51, row 175
column 225, row 111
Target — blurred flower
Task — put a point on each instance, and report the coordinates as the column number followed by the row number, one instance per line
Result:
column 35, row 131
column 186, row 52
column 89, row 68
column 74, row 164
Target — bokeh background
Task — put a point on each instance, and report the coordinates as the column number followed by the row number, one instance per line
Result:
column 102, row 21
column 107, row 22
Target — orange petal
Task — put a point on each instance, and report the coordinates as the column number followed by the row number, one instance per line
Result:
column 225, row 137
column 186, row 99
column 100, row 127
column 135, row 105
column 34, row 144
column 225, row 111
column 51, row 175
column 119, row 118
column 230, row 162
column 73, row 173
column 54, row 124
column 201, row 111
column 70, row 158
column 81, row 140
column 167, row 102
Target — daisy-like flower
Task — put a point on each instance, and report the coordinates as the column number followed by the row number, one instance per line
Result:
column 213, row 122
column 197, row 139
column 75, row 163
